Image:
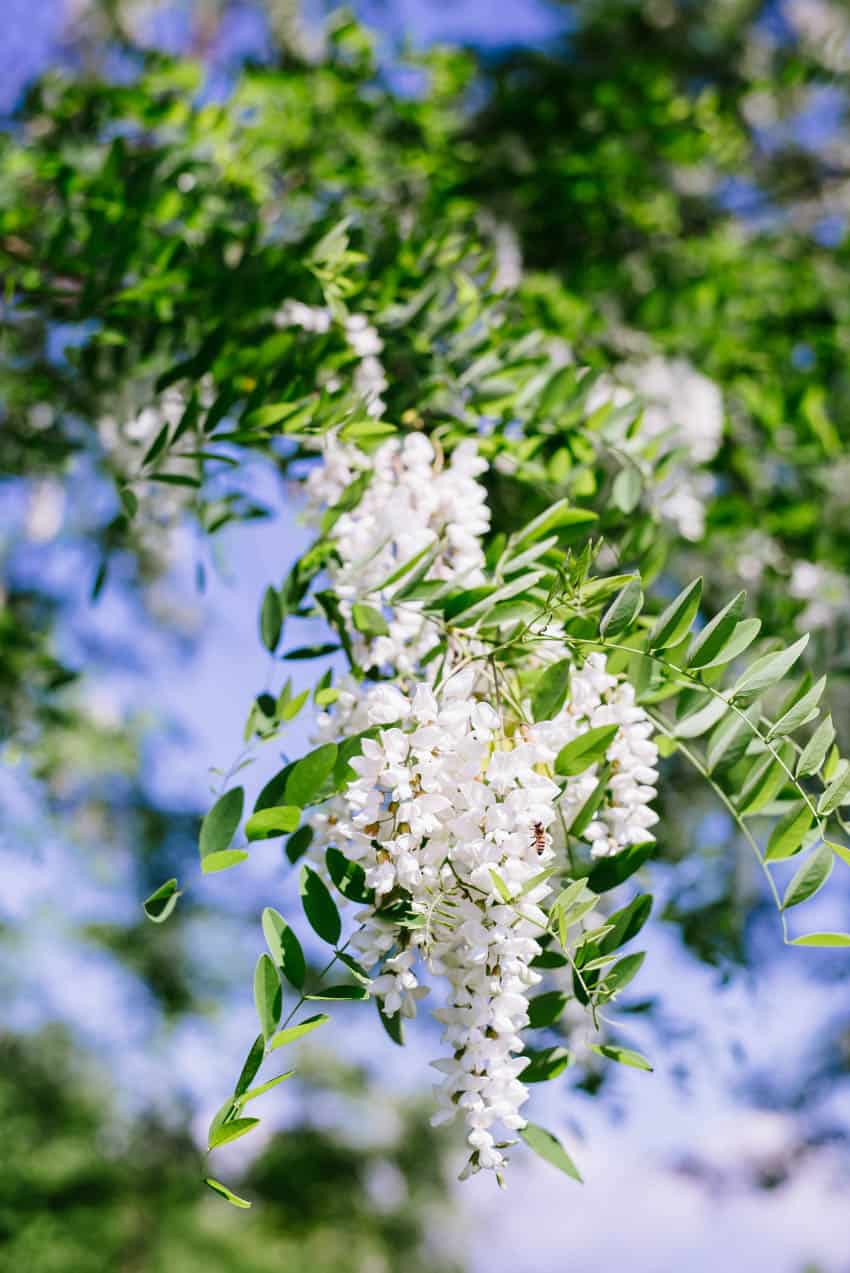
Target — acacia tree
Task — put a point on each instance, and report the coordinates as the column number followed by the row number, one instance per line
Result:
column 511, row 492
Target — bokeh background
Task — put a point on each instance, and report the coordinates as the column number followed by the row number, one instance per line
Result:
column 118, row 1039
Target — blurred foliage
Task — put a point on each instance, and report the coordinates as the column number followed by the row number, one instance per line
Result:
column 94, row 1191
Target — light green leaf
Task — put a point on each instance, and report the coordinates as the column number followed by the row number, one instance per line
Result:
column 625, row 1056
column 701, row 721
column 558, row 518
column 800, row 712
column 293, row 1032
column 501, row 887
column 810, row 878
column 368, row 620
column 712, row 638
column 674, row 622
column 227, row 1194
column 268, row 996
column 161, row 903
column 822, row 939
column 623, row 610
column 585, row 750
column 254, row 1092
column 319, row 907
column 626, row 489
column 789, row 834
column 550, row 692
column 761, row 784
column 219, row 825
column 285, row 947
column 550, row 1148
column 279, row 820
column 618, row 977
column 222, row 861
column 306, row 781
column 814, row 752
column 233, row 1130
column 769, row 669
column 837, row 792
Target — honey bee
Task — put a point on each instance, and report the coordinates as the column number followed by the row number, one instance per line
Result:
column 539, row 834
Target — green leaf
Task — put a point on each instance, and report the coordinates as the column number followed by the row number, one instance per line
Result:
column 279, row 820
column 618, row 977
column 233, row 1130
column 549, row 1147
column 586, row 813
column 501, row 887
column 702, row 720
column 789, row 834
column 626, row 489
column 227, row 1194
column 319, row 907
column 219, row 826
column 252, row 1093
column 625, row 1056
column 544, row 1010
column 341, row 993
column 268, row 996
column 609, row 872
column 743, row 635
column 545, row 1064
column 161, row 903
column 729, row 741
column 584, row 751
column 253, row 1061
column 810, row 878
column 293, row 1032
column 626, row 923
column 762, row 783
column 814, row 752
column 349, row 877
column 674, row 622
column 222, row 861
column 285, row 947
column 271, row 619
column 393, row 1025
column 822, row 939
column 769, row 669
column 711, row 639
column 800, row 712
column 306, row 781
column 559, row 518
column 837, row 791
column 298, row 843
column 368, row 620
column 550, row 692
column 623, row 610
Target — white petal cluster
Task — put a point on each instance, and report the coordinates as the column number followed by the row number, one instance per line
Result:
column 450, row 811
column 363, row 339
column 624, row 817
column 441, row 802
column 413, row 502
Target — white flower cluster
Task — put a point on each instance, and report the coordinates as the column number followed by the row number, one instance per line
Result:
column 684, row 409
column 369, row 378
column 410, row 504
column 450, row 812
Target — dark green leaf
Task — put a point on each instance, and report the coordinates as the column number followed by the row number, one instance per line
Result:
column 623, row 611
column 285, row 947
column 711, row 639
column 545, row 1064
column 271, row 619
column 319, row 907
column 219, row 826
column 305, row 784
column 545, row 1009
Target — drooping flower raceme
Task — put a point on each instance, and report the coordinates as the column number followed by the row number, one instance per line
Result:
column 456, row 813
